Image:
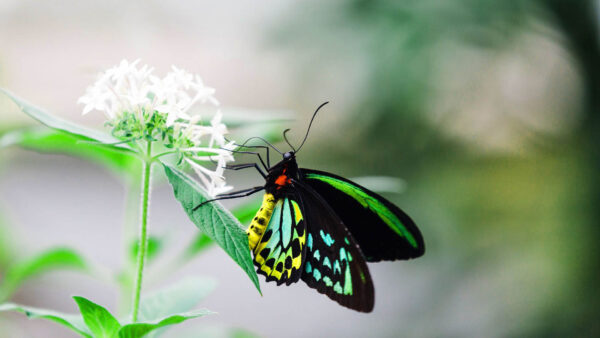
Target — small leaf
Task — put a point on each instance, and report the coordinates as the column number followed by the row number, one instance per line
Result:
column 213, row 220
column 57, row 123
column 47, row 140
column 100, row 322
column 152, row 250
column 242, row 333
column 137, row 330
column 217, row 331
column 7, row 246
column 53, row 259
column 180, row 297
column 72, row 321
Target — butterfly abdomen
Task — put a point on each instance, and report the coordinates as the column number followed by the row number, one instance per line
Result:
column 260, row 221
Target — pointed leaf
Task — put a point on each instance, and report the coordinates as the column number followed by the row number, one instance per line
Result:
column 54, row 141
column 180, row 297
column 58, row 123
column 216, row 331
column 213, row 220
column 53, row 259
column 72, row 321
column 137, row 330
column 242, row 333
column 7, row 246
column 100, row 322
column 243, row 212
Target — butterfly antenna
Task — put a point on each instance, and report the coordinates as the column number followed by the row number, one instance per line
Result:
column 286, row 139
column 256, row 137
column 309, row 125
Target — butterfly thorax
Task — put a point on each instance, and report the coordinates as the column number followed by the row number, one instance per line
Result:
column 280, row 176
column 278, row 183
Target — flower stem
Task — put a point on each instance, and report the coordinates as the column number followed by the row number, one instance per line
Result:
column 143, row 240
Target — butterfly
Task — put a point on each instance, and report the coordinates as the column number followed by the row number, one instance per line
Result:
column 322, row 229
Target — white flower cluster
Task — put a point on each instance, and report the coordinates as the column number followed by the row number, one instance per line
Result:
column 129, row 89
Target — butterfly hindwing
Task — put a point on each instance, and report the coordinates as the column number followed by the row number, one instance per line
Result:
column 279, row 252
column 334, row 265
column 383, row 231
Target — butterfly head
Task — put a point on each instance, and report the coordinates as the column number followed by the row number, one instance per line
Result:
column 288, row 155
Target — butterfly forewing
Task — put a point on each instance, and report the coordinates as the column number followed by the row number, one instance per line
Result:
column 279, row 252
column 334, row 265
column 383, row 231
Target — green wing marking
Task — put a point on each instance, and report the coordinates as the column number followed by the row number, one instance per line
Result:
column 334, row 264
column 278, row 255
column 369, row 202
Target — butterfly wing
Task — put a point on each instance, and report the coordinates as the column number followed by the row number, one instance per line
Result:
column 334, row 264
column 279, row 252
column 383, row 231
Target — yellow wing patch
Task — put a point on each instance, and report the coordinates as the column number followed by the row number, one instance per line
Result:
column 278, row 250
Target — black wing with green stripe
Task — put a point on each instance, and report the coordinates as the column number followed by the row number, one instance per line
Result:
column 382, row 230
column 334, row 264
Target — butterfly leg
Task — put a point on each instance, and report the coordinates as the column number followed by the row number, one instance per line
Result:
column 243, row 145
column 253, row 153
column 244, row 166
column 261, row 147
column 233, row 194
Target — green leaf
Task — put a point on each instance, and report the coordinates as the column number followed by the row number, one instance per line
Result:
column 216, row 332
column 242, row 333
column 213, row 220
column 100, row 322
column 244, row 213
column 180, row 297
column 53, row 259
column 57, row 123
column 7, row 246
column 47, row 140
column 137, row 330
column 155, row 245
column 73, row 322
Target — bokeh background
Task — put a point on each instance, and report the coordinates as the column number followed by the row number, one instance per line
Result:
column 488, row 110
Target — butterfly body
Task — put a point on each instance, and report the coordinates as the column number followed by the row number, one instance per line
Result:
column 322, row 229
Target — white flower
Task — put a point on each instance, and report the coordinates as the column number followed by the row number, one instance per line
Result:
column 212, row 180
column 173, row 93
column 129, row 89
column 218, row 130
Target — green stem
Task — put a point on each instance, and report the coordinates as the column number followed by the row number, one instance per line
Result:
column 143, row 243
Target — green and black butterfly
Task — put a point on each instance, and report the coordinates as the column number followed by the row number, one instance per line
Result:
column 323, row 229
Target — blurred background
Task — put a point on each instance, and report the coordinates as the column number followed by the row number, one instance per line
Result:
column 488, row 110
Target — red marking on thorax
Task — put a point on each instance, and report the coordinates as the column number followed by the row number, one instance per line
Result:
column 282, row 180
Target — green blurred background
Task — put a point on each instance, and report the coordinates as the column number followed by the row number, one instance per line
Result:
column 489, row 111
